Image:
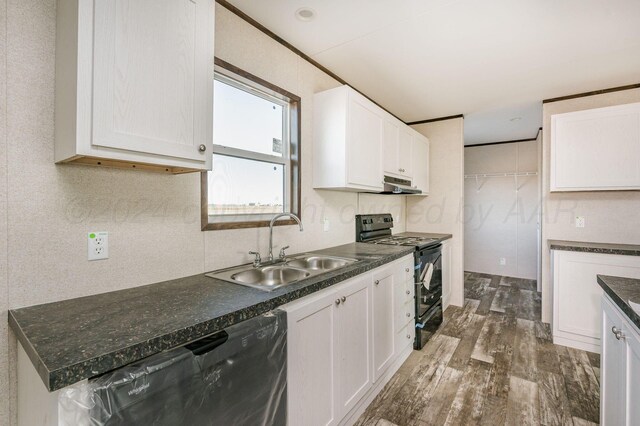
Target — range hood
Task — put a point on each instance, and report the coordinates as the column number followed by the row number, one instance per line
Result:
column 399, row 186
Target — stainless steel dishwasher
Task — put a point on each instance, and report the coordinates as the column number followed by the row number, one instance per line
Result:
column 234, row 377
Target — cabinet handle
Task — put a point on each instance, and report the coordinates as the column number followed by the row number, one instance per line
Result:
column 408, row 315
column 408, row 291
column 377, row 282
column 337, row 302
column 344, row 299
column 202, row 147
column 406, row 270
column 408, row 336
column 618, row 333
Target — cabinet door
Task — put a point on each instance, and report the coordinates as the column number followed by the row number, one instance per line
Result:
column 597, row 149
column 633, row 376
column 311, row 350
column 405, row 150
column 420, row 158
column 384, row 294
column 354, row 342
column 365, row 143
column 612, row 369
column 577, row 297
column 153, row 77
column 390, row 150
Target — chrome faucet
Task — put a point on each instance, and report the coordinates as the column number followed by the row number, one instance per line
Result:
column 276, row 217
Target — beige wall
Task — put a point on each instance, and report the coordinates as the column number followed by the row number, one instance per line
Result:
column 4, row 303
column 501, row 222
column 441, row 211
column 610, row 217
column 153, row 220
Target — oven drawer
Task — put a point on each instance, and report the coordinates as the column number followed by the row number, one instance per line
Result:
column 405, row 337
column 404, row 315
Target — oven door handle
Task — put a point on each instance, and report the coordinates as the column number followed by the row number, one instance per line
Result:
column 422, row 323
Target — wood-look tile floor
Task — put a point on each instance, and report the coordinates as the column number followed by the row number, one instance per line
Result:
column 492, row 362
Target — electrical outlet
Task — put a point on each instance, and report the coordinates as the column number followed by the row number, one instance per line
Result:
column 325, row 224
column 503, row 261
column 579, row 221
column 98, row 245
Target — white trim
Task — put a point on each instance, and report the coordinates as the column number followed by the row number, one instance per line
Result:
column 241, row 83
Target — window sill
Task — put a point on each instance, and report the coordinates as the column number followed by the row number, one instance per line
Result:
column 219, row 226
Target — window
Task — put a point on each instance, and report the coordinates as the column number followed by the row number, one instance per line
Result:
column 256, row 152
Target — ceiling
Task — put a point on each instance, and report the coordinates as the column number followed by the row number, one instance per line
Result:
column 491, row 60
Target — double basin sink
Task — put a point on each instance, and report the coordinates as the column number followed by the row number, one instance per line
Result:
column 281, row 273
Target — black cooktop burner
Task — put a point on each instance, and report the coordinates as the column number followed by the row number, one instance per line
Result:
column 404, row 241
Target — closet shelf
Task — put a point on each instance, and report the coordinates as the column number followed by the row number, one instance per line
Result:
column 490, row 175
column 481, row 178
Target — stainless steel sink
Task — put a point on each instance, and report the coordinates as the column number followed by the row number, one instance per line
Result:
column 320, row 263
column 270, row 277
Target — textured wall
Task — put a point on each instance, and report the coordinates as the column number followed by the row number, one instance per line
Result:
column 500, row 221
column 611, row 217
column 441, row 211
column 4, row 301
column 153, row 220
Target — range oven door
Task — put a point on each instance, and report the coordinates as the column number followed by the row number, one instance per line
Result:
column 428, row 325
column 428, row 291
column 428, row 279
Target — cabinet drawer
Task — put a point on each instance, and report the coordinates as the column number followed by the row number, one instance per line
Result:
column 404, row 315
column 407, row 270
column 405, row 337
column 409, row 290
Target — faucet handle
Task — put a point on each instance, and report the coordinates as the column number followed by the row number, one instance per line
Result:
column 257, row 260
column 282, row 255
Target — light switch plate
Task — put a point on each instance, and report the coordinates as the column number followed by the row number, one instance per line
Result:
column 503, row 261
column 325, row 224
column 579, row 221
column 98, row 245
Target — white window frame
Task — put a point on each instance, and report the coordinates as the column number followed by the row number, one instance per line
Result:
column 239, row 82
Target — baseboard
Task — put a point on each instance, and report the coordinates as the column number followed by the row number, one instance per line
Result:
column 583, row 346
column 361, row 407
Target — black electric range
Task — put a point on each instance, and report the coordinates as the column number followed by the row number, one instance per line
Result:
column 376, row 229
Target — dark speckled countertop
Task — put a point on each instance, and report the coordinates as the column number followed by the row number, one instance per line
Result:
column 76, row 339
column 622, row 291
column 588, row 247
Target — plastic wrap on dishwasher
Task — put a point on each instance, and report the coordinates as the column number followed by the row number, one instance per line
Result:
column 234, row 377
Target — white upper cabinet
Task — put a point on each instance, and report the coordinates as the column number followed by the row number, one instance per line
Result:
column 596, row 150
column 398, row 147
column 391, row 143
column 420, row 162
column 347, row 144
column 405, row 151
column 356, row 144
column 134, row 83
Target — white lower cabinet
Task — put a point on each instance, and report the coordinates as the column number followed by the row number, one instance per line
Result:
column 577, row 295
column 354, row 341
column 383, row 320
column 620, row 368
column 342, row 345
column 311, row 358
